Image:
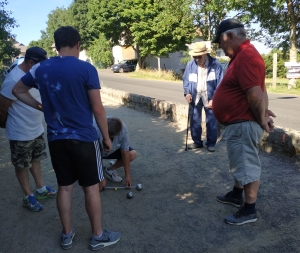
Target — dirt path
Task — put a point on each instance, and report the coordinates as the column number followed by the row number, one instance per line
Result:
column 175, row 212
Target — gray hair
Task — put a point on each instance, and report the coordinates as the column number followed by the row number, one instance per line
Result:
column 240, row 32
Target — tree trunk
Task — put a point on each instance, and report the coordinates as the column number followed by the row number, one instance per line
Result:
column 293, row 38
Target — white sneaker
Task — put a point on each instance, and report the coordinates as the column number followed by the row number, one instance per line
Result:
column 112, row 175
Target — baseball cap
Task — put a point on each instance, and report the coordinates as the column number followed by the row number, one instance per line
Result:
column 36, row 53
column 226, row 25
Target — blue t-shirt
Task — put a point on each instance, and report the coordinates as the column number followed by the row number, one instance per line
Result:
column 63, row 82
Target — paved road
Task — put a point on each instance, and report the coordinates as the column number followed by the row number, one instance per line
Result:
column 286, row 107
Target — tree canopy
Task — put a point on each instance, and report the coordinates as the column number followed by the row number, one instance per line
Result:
column 279, row 22
column 152, row 27
column 159, row 27
column 7, row 39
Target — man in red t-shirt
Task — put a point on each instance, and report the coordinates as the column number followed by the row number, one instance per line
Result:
column 241, row 104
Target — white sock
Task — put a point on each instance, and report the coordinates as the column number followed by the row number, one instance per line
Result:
column 42, row 189
column 98, row 236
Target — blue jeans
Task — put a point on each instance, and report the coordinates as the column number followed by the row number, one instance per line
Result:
column 196, row 128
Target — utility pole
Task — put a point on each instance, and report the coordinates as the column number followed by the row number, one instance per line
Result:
column 274, row 70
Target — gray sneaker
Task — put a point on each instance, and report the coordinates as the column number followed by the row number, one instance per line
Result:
column 228, row 199
column 107, row 238
column 67, row 240
column 240, row 218
column 112, row 175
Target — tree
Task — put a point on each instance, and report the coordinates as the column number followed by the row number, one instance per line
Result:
column 279, row 18
column 281, row 59
column 149, row 26
column 101, row 52
column 78, row 11
column 208, row 14
column 7, row 39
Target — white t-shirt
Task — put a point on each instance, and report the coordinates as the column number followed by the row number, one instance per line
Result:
column 202, row 86
column 24, row 123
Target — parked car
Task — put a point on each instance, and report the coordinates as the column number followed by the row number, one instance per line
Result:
column 124, row 66
column 13, row 65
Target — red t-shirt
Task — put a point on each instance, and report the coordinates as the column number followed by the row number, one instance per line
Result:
column 246, row 69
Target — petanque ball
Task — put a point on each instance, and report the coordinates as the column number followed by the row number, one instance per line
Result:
column 129, row 195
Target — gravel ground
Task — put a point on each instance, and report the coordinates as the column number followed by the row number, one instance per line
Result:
column 177, row 209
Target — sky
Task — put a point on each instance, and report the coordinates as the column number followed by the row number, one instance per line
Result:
column 32, row 15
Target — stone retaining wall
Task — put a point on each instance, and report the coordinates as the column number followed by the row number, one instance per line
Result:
column 282, row 140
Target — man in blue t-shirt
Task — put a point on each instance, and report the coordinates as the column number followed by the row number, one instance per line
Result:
column 70, row 92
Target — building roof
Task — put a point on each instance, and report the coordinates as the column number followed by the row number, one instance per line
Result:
column 22, row 47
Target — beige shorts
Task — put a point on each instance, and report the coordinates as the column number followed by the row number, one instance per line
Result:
column 242, row 140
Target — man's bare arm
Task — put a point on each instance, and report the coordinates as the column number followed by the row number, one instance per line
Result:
column 5, row 103
column 257, row 103
column 21, row 92
column 126, row 165
column 100, row 116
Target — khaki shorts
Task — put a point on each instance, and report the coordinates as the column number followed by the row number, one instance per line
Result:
column 23, row 153
column 242, row 140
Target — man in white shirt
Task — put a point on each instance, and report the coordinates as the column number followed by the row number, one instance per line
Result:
column 24, row 130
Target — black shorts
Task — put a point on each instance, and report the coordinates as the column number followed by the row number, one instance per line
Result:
column 74, row 160
column 117, row 154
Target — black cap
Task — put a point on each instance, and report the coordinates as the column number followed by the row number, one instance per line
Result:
column 36, row 53
column 226, row 25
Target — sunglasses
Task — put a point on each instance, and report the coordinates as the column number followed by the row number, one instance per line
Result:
column 199, row 57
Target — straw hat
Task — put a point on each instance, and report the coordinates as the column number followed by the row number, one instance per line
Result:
column 199, row 49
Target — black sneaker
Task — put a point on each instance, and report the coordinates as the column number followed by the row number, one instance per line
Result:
column 240, row 218
column 228, row 199
column 194, row 146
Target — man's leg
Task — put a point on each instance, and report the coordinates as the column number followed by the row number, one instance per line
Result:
column 93, row 208
column 246, row 146
column 211, row 128
column 119, row 162
column 23, row 178
column 195, row 123
column 64, row 206
column 251, row 191
column 36, row 172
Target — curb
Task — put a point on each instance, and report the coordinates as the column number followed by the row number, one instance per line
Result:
column 282, row 140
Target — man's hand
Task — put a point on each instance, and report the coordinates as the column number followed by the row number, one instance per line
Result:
column 188, row 98
column 102, row 184
column 210, row 104
column 107, row 145
column 128, row 181
column 268, row 124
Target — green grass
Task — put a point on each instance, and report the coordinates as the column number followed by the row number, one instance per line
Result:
column 282, row 86
column 168, row 75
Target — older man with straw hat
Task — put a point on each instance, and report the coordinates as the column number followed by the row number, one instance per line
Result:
column 201, row 78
